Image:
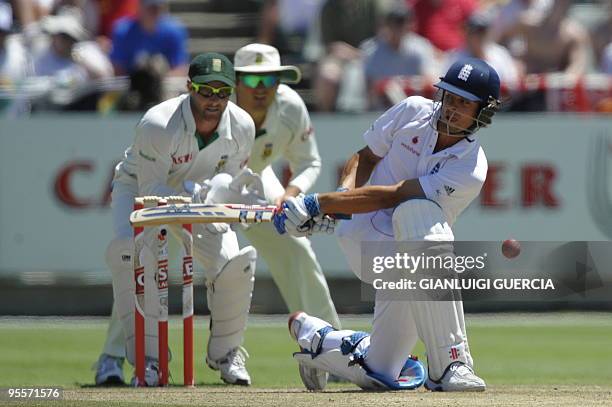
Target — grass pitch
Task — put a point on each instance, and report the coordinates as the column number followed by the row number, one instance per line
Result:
column 542, row 359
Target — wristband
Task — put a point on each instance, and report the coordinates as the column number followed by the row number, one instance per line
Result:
column 311, row 201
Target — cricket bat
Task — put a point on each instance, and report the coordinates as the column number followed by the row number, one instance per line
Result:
column 201, row 213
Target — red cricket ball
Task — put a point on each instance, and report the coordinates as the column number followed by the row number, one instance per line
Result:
column 511, row 248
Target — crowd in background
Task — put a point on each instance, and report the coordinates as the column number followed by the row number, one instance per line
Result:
column 361, row 54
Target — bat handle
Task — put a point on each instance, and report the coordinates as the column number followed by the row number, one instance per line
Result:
column 340, row 216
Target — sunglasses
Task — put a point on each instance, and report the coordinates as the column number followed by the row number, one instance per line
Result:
column 208, row 91
column 252, row 81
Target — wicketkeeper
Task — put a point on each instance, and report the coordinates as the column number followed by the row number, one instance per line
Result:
column 178, row 144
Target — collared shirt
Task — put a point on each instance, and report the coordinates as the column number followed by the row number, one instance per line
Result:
column 404, row 139
column 287, row 132
column 415, row 56
column 132, row 44
column 166, row 150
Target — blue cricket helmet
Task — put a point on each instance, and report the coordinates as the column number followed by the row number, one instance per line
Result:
column 472, row 79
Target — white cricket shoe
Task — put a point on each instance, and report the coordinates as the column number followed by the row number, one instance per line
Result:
column 458, row 377
column 313, row 379
column 151, row 373
column 109, row 371
column 232, row 367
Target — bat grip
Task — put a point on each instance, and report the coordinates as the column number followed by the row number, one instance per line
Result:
column 340, row 216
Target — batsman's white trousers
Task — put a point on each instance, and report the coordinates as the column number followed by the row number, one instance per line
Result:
column 292, row 262
column 212, row 251
column 397, row 323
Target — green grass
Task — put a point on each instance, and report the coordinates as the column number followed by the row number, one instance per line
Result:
column 549, row 349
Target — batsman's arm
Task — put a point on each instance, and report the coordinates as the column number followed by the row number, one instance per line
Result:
column 370, row 198
column 358, row 168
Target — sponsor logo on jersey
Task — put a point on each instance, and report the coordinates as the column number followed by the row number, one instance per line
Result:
column 182, row 159
column 221, row 164
column 449, row 190
column 267, row 150
column 411, row 149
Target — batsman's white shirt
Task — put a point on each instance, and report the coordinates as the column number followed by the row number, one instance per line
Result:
column 166, row 152
column 452, row 177
column 287, row 132
column 404, row 139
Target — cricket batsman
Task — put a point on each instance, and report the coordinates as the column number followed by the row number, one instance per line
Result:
column 178, row 144
column 421, row 167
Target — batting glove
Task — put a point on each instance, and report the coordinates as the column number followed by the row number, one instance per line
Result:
column 323, row 224
column 296, row 215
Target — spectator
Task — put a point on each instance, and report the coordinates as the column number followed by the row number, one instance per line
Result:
column 110, row 11
column 442, row 21
column 152, row 32
column 85, row 10
column 25, row 12
column 98, row 16
column 553, row 42
column 606, row 60
column 510, row 15
column 146, row 86
column 285, row 25
column 14, row 61
column 344, row 25
column 56, row 58
column 478, row 44
column 602, row 37
column 66, row 53
column 396, row 50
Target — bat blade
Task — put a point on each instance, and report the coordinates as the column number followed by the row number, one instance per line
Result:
column 201, row 213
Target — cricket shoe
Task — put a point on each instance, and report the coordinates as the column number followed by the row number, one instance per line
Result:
column 313, row 379
column 151, row 373
column 457, row 377
column 109, row 371
column 232, row 367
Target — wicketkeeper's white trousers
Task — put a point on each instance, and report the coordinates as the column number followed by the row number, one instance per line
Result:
column 212, row 251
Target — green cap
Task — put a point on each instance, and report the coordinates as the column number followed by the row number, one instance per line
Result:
column 211, row 66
